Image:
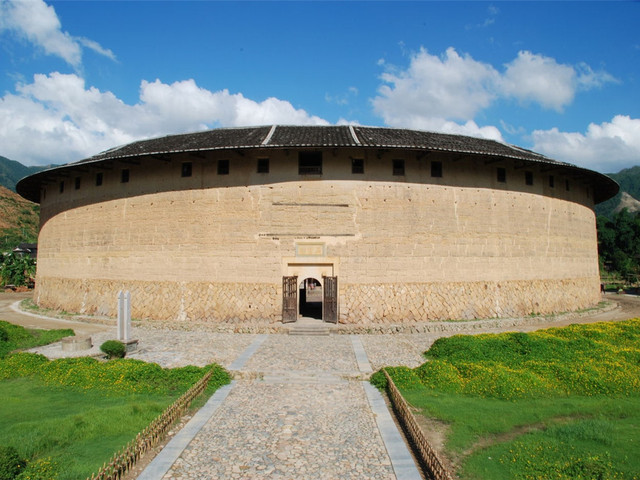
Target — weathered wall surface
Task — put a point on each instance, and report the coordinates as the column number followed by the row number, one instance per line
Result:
column 408, row 248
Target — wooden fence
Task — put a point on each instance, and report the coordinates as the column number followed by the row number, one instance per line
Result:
column 127, row 457
column 427, row 456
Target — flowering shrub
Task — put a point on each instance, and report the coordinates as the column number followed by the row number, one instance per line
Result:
column 21, row 365
column 596, row 359
column 40, row 469
column 119, row 376
column 403, row 377
column 11, row 463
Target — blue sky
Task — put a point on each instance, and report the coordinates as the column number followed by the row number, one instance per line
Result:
column 561, row 78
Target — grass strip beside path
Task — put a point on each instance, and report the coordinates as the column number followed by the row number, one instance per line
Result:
column 69, row 416
column 561, row 403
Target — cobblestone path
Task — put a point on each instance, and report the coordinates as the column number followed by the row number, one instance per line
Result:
column 298, row 409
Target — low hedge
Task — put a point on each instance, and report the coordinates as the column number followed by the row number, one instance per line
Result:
column 589, row 360
column 119, row 376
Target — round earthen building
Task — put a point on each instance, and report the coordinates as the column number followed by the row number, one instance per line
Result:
column 352, row 224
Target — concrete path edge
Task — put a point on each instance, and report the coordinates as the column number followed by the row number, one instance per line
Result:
column 401, row 459
column 161, row 464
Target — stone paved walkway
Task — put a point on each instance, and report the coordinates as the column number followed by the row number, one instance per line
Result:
column 299, row 409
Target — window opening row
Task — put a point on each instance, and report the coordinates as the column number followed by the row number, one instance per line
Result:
column 501, row 177
column 310, row 163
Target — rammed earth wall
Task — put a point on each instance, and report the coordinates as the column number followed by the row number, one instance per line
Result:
column 405, row 248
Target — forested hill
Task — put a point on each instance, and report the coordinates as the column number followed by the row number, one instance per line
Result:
column 19, row 220
column 629, row 181
column 12, row 171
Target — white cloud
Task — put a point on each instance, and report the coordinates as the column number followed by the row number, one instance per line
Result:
column 447, row 93
column 57, row 118
column 588, row 79
column 607, row 147
column 539, row 79
column 39, row 24
column 96, row 47
column 343, row 98
column 451, row 87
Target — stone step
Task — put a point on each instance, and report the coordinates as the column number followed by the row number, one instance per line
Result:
column 309, row 330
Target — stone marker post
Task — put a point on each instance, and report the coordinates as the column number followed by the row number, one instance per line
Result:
column 124, row 316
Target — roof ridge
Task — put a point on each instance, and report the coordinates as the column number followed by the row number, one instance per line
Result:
column 267, row 139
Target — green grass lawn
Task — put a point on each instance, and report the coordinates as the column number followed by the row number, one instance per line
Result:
column 14, row 337
column 68, row 416
column 78, row 430
column 560, row 403
column 572, row 437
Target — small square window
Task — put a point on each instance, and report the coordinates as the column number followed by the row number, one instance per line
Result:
column 436, row 169
column 62, row 186
column 187, row 168
column 551, row 181
column 77, row 183
column 124, row 175
column 357, row 165
column 98, row 179
column 502, row 175
column 398, row 167
column 309, row 163
column 528, row 178
column 223, row 167
column 263, row 165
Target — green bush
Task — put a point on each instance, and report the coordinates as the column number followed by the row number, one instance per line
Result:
column 21, row 365
column 588, row 360
column 378, row 380
column 404, row 378
column 120, row 376
column 11, row 463
column 40, row 469
column 114, row 349
column 440, row 375
column 16, row 269
column 21, row 338
column 4, row 336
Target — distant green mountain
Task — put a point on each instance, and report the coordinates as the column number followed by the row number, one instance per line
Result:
column 12, row 171
column 629, row 181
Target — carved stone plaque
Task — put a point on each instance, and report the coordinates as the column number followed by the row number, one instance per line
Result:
column 310, row 250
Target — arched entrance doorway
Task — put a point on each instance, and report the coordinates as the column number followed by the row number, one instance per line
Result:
column 310, row 298
column 323, row 296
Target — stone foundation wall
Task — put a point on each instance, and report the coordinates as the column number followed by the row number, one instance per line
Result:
column 389, row 303
column 359, row 304
column 176, row 301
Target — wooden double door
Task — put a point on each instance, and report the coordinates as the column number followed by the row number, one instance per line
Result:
column 290, row 299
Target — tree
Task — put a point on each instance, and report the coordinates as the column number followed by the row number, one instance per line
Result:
column 619, row 243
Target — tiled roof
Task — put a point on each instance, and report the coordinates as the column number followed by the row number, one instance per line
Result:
column 316, row 136
column 277, row 136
